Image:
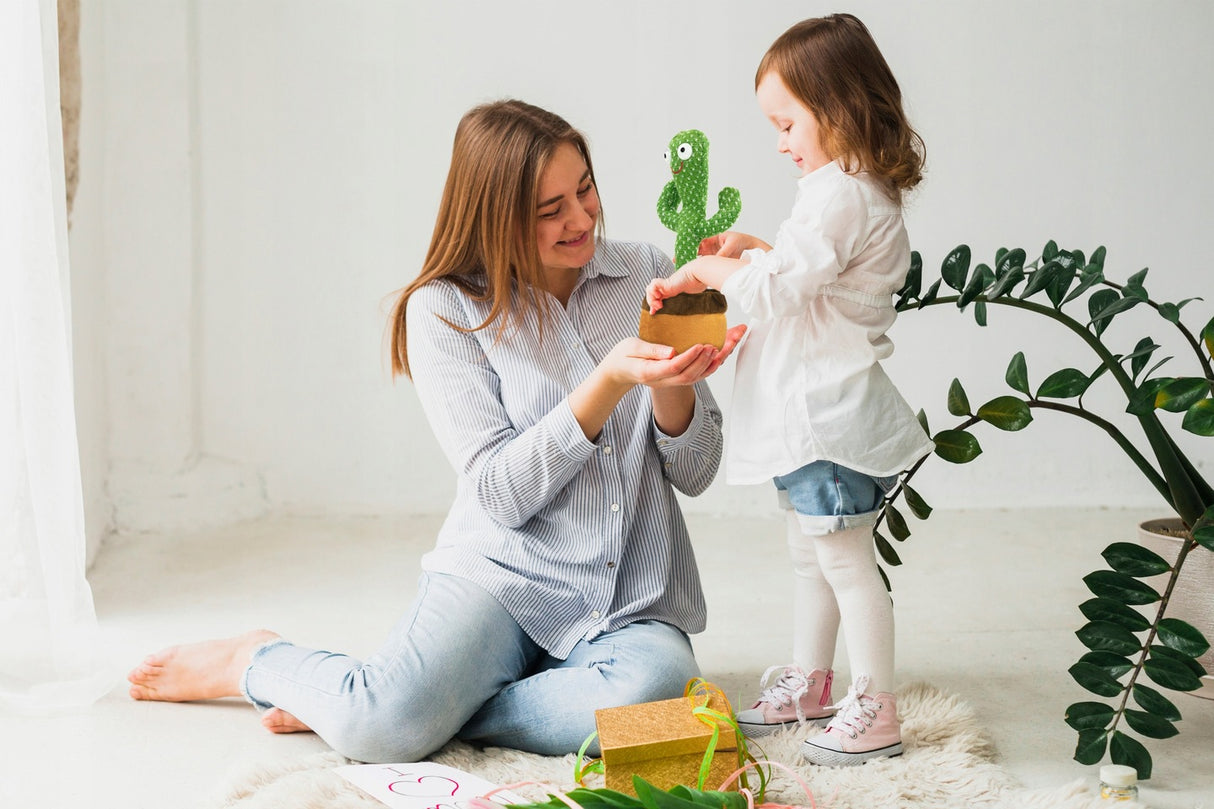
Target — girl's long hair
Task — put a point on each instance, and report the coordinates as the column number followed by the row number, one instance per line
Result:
column 832, row 66
column 484, row 235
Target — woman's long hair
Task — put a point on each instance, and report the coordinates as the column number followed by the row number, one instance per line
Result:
column 484, row 236
column 833, row 67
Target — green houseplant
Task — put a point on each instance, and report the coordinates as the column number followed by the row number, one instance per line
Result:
column 1131, row 638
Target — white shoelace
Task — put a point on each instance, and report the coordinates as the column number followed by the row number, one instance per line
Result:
column 788, row 688
column 855, row 711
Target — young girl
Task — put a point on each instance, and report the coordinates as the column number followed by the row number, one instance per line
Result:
column 812, row 407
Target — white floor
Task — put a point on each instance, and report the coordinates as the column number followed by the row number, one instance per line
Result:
column 985, row 604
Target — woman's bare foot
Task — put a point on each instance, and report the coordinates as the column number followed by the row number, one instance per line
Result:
column 276, row 720
column 206, row 670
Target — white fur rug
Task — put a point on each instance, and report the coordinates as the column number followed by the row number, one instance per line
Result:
column 947, row 762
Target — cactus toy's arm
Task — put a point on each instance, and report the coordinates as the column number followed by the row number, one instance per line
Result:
column 729, row 205
column 668, row 206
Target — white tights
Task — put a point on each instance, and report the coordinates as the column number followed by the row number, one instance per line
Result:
column 837, row 581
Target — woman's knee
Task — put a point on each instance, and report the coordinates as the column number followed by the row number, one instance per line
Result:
column 380, row 741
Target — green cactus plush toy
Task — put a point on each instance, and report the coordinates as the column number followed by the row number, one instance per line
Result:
column 682, row 205
column 690, row 319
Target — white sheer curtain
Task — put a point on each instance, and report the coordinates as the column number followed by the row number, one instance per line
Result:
column 49, row 643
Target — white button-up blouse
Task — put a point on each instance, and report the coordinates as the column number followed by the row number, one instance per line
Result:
column 808, row 384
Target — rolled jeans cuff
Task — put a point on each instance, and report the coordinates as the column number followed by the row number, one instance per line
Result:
column 244, row 678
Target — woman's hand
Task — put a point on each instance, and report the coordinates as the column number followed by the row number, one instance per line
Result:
column 730, row 244
column 656, row 366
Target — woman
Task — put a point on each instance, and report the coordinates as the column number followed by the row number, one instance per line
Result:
column 563, row 579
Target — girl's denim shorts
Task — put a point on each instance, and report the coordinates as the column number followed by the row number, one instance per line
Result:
column 828, row 497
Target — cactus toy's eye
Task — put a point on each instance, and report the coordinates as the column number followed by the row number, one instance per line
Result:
column 684, row 151
column 666, row 155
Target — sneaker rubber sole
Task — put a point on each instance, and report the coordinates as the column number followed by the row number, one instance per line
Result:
column 826, row 757
column 753, row 729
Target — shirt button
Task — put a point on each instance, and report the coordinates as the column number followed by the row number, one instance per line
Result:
column 610, row 564
column 607, row 450
column 594, row 614
column 615, row 506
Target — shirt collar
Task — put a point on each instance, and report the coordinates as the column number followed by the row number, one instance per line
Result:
column 598, row 265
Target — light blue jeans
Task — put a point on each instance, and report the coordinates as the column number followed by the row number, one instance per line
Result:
column 458, row 665
column 829, row 497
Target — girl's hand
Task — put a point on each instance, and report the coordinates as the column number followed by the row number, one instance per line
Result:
column 730, row 244
column 682, row 280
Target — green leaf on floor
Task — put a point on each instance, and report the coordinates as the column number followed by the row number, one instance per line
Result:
column 1120, row 587
column 1151, row 700
column 1135, row 560
column 1091, row 746
column 1115, row 665
column 1103, row 636
column 1095, row 679
column 1106, row 609
column 1149, row 725
column 1183, row 637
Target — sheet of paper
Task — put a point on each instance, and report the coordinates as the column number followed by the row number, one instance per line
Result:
column 423, row 785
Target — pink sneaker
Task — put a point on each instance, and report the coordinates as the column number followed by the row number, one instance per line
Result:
column 794, row 698
column 865, row 727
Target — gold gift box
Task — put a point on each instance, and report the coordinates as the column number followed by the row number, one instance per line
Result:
column 664, row 743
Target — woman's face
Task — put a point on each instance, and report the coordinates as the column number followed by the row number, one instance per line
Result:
column 568, row 211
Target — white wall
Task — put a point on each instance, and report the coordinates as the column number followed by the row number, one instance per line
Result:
column 270, row 172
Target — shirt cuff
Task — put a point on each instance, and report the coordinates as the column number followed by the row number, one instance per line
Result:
column 669, row 444
column 568, row 435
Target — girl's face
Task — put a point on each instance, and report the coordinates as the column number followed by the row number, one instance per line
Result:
column 568, row 210
column 799, row 135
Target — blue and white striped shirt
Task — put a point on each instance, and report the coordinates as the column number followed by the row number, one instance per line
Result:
column 573, row 537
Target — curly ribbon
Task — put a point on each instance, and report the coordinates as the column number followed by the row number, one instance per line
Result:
column 698, row 687
column 583, row 767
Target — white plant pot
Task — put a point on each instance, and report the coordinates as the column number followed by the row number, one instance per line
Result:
column 1193, row 598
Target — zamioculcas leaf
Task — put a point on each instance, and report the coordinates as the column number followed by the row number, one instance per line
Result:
column 1050, row 250
column 1113, row 665
column 979, row 281
column 1089, row 715
column 1010, row 260
column 1135, row 281
column 1204, row 534
column 1120, row 587
column 1181, row 394
column 1115, row 307
column 1153, row 727
column 930, row 295
column 1200, row 418
column 1165, row 653
column 1141, row 355
column 885, row 579
column 1151, row 700
column 915, row 503
column 1171, row 674
column 999, row 254
column 1184, row 638
column 980, row 313
column 886, row 550
column 1207, row 336
column 1064, row 383
column 1135, row 560
column 1057, row 288
column 922, row 416
column 914, row 277
column 957, row 446
column 1006, row 413
column 956, row 267
column 958, row 402
column 1017, row 375
column 1005, row 283
column 1091, row 747
column 897, row 523
column 1102, row 636
column 1169, row 312
column 1106, row 609
column 1142, row 403
column 1100, row 301
column 1128, row 751
column 1098, row 257
column 1089, row 277
column 1040, row 279
column 1095, row 679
